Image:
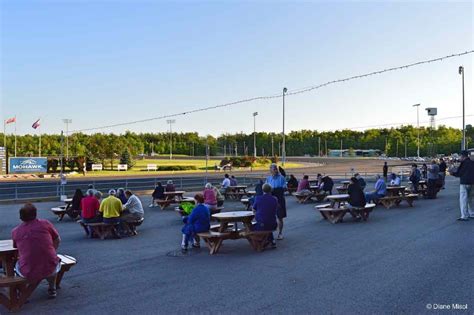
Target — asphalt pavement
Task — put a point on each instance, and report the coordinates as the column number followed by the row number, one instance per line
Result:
column 402, row 261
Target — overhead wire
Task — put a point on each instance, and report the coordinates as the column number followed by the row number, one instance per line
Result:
column 274, row 96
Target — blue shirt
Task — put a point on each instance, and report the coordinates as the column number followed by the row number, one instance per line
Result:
column 265, row 209
column 200, row 219
column 276, row 181
column 380, row 187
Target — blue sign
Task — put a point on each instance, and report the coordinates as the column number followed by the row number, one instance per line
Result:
column 28, row 165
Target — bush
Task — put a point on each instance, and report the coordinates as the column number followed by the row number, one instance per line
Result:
column 177, row 168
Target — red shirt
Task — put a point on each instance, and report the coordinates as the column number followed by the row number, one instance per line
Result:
column 90, row 207
column 37, row 255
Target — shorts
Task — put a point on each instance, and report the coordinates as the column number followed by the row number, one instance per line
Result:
column 18, row 272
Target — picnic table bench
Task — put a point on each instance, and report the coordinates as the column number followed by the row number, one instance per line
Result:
column 235, row 192
column 18, row 288
column 228, row 229
column 100, row 229
column 342, row 189
column 246, row 203
column 305, row 197
column 395, row 195
column 336, row 215
column 61, row 211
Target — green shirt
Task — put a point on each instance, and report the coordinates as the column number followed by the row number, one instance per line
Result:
column 111, row 207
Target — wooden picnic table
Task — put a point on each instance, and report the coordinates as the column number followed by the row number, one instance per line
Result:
column 176, row 195
column 342, row 189
column 251, row 193
column 345, row 183
column 314, row 188
column 396, row 191
column 235, row 217
column 8, row 255
column 246, row 203
column 238, row 188
column 337, row 200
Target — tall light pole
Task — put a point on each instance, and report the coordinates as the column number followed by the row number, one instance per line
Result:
column 67, row 122
column 254, row 136
column 418, row 127
column 283, row 147
column 463, row 146
column 171, row 121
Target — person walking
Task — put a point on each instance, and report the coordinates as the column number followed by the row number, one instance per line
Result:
column 465, row 172
column 278, row 183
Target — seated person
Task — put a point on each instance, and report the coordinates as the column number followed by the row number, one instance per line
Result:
column 394, row 180
column 265, row 207
column 111, row 208
column 303, row 186
column 198, row 221
column 37, row 241
column 379, row 192
column 258, row 191
column 75, row 208
column 121, row 195
column 158, row 194
column 356, row 195
column 90, row 208
column 98, row 195
column 233, row 181
column 220, row 198
column 170, row 186
column 361, row 181
column 210, row 197
column 292, row 183
column 225, row 184
column 132, row 210
column 326, row 184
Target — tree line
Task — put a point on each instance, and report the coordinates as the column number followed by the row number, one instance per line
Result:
column 100, row 146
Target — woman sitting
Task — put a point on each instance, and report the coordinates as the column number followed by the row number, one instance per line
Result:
column 158, row 194
column 210, row 198
column 121, row 195
column 90, row 208
column 197, row 222
column 75, row 209
column 303, row 186
column 170, row 186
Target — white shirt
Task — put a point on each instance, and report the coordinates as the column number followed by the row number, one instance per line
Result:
column 395, row 182
column 134, row 205
column 226, row 183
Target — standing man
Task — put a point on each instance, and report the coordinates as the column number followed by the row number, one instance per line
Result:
column 385, row 170
column 442, row 170
column 465, row 172
column 278, row 183
column 37, row 241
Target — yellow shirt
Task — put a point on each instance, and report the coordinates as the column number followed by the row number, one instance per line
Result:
column 111, row 207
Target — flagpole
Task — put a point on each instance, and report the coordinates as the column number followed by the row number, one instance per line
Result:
column 15, row 135
column 4, row 135
column 39, row 153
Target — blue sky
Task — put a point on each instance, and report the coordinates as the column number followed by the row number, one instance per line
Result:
column 106, row 62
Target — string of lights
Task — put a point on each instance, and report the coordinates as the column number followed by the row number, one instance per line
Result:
column 269, row 97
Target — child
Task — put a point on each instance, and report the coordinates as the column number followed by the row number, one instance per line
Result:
column 198, row 221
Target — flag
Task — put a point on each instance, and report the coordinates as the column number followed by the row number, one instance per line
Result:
column 36, row 124
column 10, row 120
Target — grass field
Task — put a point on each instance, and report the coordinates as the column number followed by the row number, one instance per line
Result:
column 140, row 167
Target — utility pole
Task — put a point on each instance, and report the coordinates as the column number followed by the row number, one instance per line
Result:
column 254, row 135
column 405, row 146
column 326, row 145
column 273, row 152
column 463, row 147
column 283, row 152
column 418, row 127
column 319, row 146
column 170, row 122
column 341, row 147
column 397, row 147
